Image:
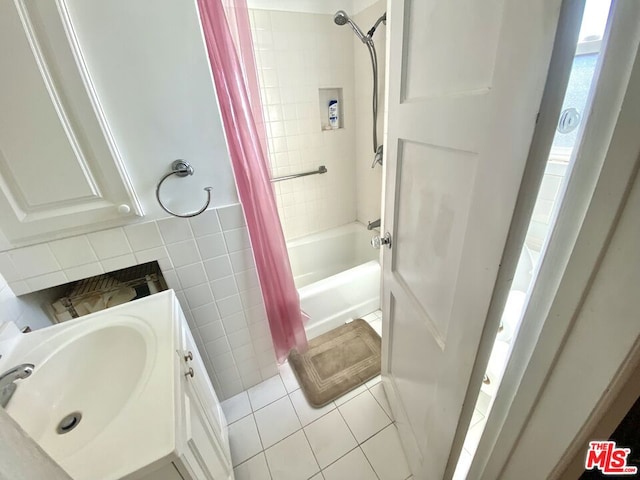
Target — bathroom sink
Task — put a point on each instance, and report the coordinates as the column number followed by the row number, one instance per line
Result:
column 101, row 398
column 86, row 382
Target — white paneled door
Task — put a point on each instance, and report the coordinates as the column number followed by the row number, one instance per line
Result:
column 465, row 83
column 59, row 167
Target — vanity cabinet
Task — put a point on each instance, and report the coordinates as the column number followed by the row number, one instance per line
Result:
column 203, row 440
column 202, row 443
column 60, row 169
column 207, row 453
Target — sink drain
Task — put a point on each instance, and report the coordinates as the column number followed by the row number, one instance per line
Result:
column 69, row 422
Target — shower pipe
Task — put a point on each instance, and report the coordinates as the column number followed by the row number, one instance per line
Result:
column 341, row 18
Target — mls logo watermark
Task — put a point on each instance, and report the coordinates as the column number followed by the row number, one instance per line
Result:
column 609, row 459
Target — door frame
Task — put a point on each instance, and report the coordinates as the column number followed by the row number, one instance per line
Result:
column 564, row 49
column 623, row 392
column 597, row 191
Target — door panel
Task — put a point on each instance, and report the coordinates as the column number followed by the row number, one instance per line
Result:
column 415, row 383
column 462, row 101
column 433, row 197
column 436, row 32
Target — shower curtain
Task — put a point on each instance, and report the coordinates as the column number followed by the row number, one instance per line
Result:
column 235, row 77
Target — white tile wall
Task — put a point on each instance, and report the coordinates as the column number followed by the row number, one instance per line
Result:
column 368, row 180
column 23, row 311
column 207, row 260
column 296, row 54
column 545, row 203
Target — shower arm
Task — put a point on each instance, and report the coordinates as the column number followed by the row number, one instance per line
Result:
column 383, row 18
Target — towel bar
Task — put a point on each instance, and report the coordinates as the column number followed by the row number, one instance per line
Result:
column 181, row 168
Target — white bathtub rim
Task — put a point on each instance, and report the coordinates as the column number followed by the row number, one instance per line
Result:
column 329, row 282
column 326, row 235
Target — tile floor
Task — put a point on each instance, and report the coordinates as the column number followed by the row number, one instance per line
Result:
column 275, row 434
column 476, row 427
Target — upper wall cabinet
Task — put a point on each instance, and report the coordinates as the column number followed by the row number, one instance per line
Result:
column 60, row 169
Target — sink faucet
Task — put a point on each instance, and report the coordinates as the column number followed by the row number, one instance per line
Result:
column 8, row 378
column 374, row 224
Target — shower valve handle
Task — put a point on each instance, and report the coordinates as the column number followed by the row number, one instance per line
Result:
column 377, row 242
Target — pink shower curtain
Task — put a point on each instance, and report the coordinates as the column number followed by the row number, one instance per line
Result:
column 238, row 96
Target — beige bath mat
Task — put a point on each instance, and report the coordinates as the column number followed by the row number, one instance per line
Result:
column 337, row 362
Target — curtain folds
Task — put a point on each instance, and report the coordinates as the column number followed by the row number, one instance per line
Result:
column 234, row 73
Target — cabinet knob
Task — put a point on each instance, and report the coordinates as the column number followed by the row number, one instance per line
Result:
column 188, row 357
column 190, row 373
column 124, row 209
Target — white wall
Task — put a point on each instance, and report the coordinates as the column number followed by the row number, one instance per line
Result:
column 369, row 180
column 312, row 6
column 149, row 67
column 23, row 311
column 298, row 53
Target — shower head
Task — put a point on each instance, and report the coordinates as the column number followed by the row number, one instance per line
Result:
column 341, row 18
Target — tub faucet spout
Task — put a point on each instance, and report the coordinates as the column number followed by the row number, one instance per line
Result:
column 374, row 224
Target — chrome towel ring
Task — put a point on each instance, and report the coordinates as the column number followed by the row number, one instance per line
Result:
column 181, row 168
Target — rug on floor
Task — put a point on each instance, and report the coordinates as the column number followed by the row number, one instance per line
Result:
column 337, row 362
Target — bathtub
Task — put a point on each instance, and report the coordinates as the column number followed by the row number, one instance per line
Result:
column 337, row 274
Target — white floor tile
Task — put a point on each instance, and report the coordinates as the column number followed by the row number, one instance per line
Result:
column 385, row 454
column 377, row 326
column 370, row 317
column 288, row 378
column 307, row 413
column 292, row 458
column 276, row 421
column 330, row 438
column 473, row 436
column 462, row 468
column 353, row 466
column 319, row 476
column 349, row 395
column 484, row 400
column 244, row 440
column 253, row 469
column 236, row 407
column 364, row 416
column 477, row 416
column 373, row 381
column 378, row 393
column 266, row 392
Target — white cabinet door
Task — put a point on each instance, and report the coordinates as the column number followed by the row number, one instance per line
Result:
column 207, row 455
column 207, row 395
column 59, row 167
column 203, row 458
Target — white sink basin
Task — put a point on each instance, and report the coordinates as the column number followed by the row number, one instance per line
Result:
column 117, row 369
column 95, row 374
